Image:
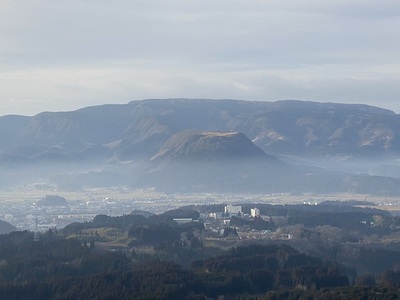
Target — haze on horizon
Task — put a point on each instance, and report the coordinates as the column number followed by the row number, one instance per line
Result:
column 64, row 55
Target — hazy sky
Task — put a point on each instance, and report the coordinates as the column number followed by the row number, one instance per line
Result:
column 66, row 54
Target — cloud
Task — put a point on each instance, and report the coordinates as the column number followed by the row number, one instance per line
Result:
column 61, row 55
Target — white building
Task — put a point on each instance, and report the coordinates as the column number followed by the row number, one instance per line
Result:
column 255, row 212
column 233, row 209
column 215, row 215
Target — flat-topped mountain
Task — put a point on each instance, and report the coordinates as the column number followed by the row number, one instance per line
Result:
column 53, row 200
column 209, row 145
column 220, row 161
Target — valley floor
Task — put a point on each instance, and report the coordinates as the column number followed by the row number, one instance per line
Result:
column 18, row 205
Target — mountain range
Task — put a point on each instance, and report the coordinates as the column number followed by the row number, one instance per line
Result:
column 201, row 144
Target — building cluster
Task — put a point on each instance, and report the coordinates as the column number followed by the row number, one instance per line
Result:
column 229, row 211
column 217, row 222
column 236, row 211
column 37, row 214
column 33, row 215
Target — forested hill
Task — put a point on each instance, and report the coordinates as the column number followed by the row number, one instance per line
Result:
column 6, row 227
column 56, row 268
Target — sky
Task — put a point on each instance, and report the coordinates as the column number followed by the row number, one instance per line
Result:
column 61, row 55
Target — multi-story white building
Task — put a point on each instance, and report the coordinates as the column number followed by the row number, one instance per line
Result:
column 233, row 209
column 255, row 212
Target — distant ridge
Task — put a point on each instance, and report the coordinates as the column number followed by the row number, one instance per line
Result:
column 123, row 131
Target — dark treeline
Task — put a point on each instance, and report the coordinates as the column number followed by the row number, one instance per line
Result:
column 125, row 222
column 257, row 223
column 22, row 259
column 257, row 269
column 241, row 271
column 73, row 263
